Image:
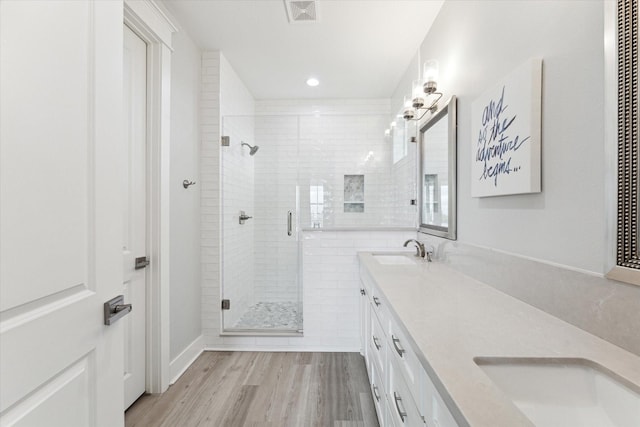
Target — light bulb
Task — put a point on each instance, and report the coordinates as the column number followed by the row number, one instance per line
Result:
column 430, row 76
column 408, row 111
column 417, row 94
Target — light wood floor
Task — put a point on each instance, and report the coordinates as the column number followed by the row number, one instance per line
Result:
column 229, row 389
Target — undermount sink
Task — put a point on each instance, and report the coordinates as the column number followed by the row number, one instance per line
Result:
column 394, row 259
column 565, row 392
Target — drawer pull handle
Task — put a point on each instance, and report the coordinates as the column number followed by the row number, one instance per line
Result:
column 401, row 412
column 399, row 349
column 363, row 292
column 376, row 301
column 375, row 393
column 375, row 342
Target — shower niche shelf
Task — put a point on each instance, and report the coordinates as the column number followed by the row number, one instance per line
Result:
column 354, row 193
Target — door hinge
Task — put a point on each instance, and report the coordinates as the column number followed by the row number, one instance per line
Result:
column 226, row 304
column 225, row 141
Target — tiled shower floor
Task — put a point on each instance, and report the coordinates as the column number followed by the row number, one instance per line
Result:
column 271, row 315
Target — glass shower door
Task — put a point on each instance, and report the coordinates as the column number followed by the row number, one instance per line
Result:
column 260, row 253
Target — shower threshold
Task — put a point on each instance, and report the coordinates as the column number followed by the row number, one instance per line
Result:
column 269, row 318
column 232, row 332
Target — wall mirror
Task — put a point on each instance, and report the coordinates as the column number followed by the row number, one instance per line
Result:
column 437, row 173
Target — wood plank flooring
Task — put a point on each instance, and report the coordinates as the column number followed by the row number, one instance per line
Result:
column 236, row 389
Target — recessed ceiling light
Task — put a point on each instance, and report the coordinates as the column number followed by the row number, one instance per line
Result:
column 313, row 82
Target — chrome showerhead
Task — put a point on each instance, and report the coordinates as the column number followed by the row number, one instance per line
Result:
column 253, row 149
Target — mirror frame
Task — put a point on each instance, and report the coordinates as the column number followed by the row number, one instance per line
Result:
column 448, row 110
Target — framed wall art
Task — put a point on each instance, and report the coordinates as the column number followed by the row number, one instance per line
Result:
column 506, row 128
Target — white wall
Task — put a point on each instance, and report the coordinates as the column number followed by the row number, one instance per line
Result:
column 476, row 44
column 210, row 221
column 185, row 203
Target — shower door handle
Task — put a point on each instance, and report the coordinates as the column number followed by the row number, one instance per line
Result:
column 289, row 223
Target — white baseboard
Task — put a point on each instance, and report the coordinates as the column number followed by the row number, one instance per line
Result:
column 185, row 359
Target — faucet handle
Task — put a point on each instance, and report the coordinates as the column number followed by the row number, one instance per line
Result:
column 429, row 252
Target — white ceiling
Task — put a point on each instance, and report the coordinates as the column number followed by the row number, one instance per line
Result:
column 357, row 49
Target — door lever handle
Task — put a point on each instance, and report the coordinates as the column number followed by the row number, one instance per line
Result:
column 118, row 308
column 115, row 309
column 142, row 262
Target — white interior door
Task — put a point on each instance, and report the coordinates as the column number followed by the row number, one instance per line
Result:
column 134, row 230
column 60, row 212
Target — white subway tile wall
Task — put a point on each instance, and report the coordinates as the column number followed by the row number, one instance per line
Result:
column 403, row 178
column 237, row 239
column 237, row 174
column 338, row 138
column 332, row 146
column 341, row 145
column 210, row 196
column 276, row 254
column 331, row 292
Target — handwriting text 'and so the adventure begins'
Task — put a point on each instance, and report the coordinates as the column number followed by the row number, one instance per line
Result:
column 496, row 145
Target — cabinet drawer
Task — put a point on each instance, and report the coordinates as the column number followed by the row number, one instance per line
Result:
column 377, row 345
column 403, row 409
column 377, row 391
column 407, row 360
column 379, row 307
column 435, row 412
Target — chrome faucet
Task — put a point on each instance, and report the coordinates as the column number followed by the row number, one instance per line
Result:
column 420, row 250
column 419, row 247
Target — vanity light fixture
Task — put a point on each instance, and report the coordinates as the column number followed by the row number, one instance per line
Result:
column 421, row 90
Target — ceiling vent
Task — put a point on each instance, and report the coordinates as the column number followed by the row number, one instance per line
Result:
column 301, row 11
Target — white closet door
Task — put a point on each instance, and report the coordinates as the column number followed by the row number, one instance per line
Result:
column 60, row 212
column 135, row 206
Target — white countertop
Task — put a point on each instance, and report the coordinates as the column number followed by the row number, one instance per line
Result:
column 453, row 318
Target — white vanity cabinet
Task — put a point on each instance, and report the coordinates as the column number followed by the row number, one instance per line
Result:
column 404, row 394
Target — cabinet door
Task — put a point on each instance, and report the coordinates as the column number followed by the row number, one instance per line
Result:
column 364, row 320
column 401, row 350
column 404, row 410
column 377, row 390
column 377, row 344
column 435, row 411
